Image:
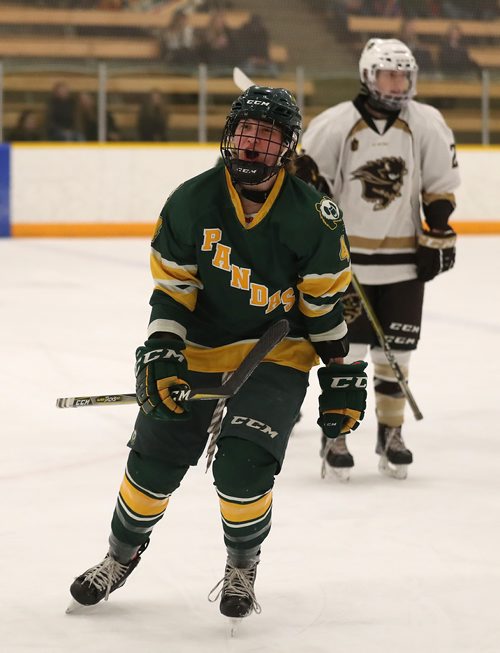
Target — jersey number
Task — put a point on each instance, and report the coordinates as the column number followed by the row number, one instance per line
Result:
column 454, row 162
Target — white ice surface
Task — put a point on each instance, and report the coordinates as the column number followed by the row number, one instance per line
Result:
column 374, row 566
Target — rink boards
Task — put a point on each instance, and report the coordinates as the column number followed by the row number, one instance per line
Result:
column 81, row 190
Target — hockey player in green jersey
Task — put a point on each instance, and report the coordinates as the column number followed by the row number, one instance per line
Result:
column 236, row 249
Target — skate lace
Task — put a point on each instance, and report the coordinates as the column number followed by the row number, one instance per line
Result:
column 237, row 582
column 105, row 575
column 394, row 440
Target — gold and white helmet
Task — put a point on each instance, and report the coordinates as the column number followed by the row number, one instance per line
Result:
column 388, row 54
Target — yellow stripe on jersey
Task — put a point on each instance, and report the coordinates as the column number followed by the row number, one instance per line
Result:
column 291, row 352
column 177, row 281
column 139, row 502
column 238, row 512
column 325, row 285
column 312, row 310
column 264, row 210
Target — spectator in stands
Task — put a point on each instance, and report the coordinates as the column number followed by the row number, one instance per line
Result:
column 61, row 114
column 466, row 10
column 422, row 55
column 218, row 46
column 253, row 47
column 389, row 8
column 453, row 57
column 337, row 13
column 86, row 120
column 210, row 5
column 152, row 121
column 421, row 8
column 487, row 9
column 178, row 40
column 460, row 9
column 27, row 127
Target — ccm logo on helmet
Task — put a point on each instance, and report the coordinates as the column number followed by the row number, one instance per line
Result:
column 265, row 104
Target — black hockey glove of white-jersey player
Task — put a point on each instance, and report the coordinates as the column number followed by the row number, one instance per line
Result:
column 342, row 402
column 160, row 367
column 435, row 253
column 307, row 170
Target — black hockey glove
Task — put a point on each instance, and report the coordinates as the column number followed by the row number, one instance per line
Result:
column 160, row 365
column 342, row 401
column 435, row 253
column 307, row 170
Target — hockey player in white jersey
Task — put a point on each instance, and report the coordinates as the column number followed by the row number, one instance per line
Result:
column 389, row 161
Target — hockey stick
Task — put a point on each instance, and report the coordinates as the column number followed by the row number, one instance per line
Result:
column 389, row 354
column 273, row 336
column 241, row 80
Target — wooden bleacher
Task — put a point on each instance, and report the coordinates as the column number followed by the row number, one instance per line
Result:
column 381, row 26
column 124, row 96
column 124, row 103
column 460, row 89
column 138, row 84
column 147, row 19
column 74, row 47
column 40, row 17
column 71, row 46
column 485, row 56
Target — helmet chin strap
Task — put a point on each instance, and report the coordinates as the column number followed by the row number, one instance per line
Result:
column 376, row 104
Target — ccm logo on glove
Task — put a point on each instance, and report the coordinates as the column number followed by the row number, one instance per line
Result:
column 156, row 354
column 342, row 402
column 160, row 368
column 348, row 381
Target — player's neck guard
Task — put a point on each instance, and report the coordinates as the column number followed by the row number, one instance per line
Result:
column 257, row 196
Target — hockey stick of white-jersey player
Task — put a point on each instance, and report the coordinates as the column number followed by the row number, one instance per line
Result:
column 241, row 80
column 389, row 354
column 272, row 337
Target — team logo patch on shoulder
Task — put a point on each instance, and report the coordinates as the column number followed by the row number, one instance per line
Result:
column 329, row 212
column 352, row 307
column 158, row 227
column 382, row 180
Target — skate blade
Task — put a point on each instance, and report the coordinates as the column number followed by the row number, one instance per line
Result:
column 78, row 608
column 74, row 606
column 342, row 474
column 393, row 471
column 234, row 625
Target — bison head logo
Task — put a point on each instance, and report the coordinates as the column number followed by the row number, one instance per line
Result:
column 382, row 180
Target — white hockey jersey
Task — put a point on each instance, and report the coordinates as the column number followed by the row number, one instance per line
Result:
column 380, row 172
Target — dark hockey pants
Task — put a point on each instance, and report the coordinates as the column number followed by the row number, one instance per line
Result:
column 243, row 476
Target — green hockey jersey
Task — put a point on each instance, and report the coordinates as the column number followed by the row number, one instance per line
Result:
column 220, row 281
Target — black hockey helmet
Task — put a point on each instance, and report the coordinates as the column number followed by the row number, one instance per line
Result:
column 275, row 106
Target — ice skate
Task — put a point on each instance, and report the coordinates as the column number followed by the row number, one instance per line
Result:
column 236, row 592
column 99, row 581
column 337, row 459
column 394, row 455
